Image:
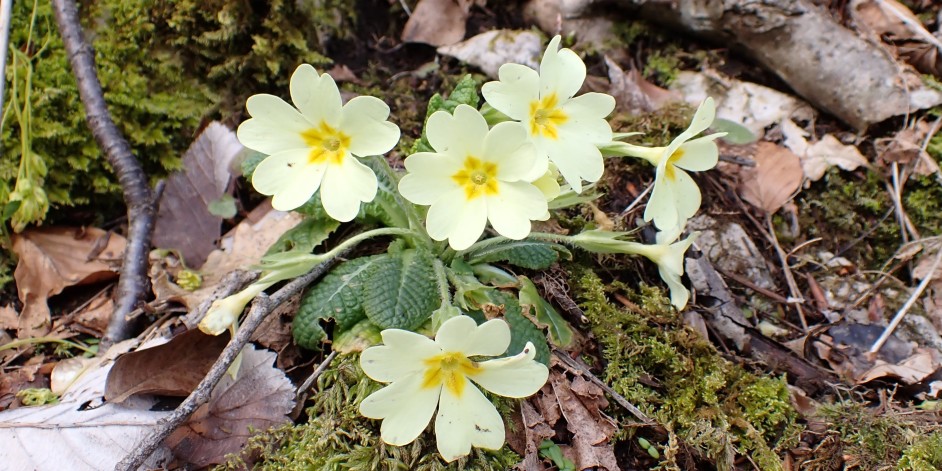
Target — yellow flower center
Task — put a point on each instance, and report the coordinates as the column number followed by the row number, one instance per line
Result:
column 545, row 117
column 448, row 370
column 327, row 144
column 669, row 169
column 477, row 178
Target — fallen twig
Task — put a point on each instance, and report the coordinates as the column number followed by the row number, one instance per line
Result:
column 317, row 372
column 584, row 371
column 909, row 303
column 133, row 283
column 261, row 307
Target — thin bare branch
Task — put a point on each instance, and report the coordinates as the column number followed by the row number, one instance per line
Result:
column 261, row 307
column 133, row 283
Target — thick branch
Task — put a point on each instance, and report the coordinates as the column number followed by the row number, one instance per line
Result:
column 133, row 283
column 262, row 306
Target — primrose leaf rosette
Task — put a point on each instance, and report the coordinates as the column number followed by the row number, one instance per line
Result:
column 565, row 128
column 427, row 374
column 474, row 176
column 315, row 146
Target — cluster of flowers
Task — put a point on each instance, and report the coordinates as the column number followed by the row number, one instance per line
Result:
column 504, row 172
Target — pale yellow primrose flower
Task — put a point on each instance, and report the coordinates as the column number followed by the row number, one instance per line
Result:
column 476, row 175
column 425, row 374
column 667, row 254
column 565, row 129
column 676, row 197
column 315, row 146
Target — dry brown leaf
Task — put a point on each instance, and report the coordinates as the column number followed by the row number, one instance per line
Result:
column 437, row 22
column 905, row 147
column 184, row 222
column 275, row 333
column 8, row 317
column 911, row 370
column 776, row 176
column 876, row 17
column 21, row 378
column 171, row 369
column 260, row 398
column 240, row 248
column 634, row 94
column 53, row 258
column 592, row 431
column 535, row 430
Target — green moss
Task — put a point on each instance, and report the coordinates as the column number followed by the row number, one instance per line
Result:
column 662, row 65
column 924, row 455
column 922, row 199
column 841, row 207
column 337, row 438
column 711, row 404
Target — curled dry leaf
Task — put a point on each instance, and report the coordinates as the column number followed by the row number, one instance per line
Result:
column 261, row 397
column 437, row 22
column 776, row 176
column 54, row 258
column 171, row 369
column 184, row 221
column 816, row 158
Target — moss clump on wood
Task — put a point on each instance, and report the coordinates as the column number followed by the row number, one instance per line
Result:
column 679, row 379
column 336, row 437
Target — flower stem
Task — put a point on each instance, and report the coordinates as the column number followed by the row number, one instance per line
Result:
column 406, row 208
column 37, row 340
column 353, row 241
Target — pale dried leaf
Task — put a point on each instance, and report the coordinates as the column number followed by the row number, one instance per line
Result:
column 816, row 158
column 184, row 221
column 911, row 370
column 748, row 104
column 171, row 369
column 437, row 22
column 53, row 258
column 488, row 51
column 776, row 176
column 79, row 433
column 261, row 397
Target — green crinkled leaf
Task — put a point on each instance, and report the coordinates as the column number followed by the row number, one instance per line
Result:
column 308, row 234
column 522, row 330
column 528, row 254
column 336, row 296
column 465, row 93
column 252, row 159
column 399, row 291
column 546, row 316
column 362, row 335
column 384, row 207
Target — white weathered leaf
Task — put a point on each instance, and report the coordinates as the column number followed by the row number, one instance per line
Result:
column 80, row 433
column 184, row 220
column 488, row 51
column 748, row 104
